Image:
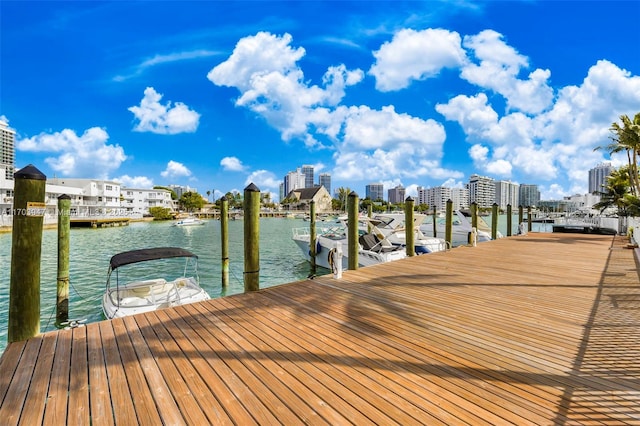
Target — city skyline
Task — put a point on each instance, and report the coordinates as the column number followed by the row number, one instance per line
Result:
column 216, row 95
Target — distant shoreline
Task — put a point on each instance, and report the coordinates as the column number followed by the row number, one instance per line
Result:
column 7, row 229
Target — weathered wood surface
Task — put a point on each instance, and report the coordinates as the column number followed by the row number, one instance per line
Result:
column 535, row 329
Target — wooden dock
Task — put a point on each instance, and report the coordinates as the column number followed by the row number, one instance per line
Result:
column 541, row 329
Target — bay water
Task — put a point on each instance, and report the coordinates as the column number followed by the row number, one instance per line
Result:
column 91, row 249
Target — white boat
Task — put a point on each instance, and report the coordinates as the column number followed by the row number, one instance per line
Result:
column 189, row 221
column 460, row 229
column 392, row 226
column 371, row 248
column 138, row 288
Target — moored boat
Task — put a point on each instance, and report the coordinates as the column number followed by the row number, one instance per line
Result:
column 372, row 248
column 189, row 221
column 139, row 288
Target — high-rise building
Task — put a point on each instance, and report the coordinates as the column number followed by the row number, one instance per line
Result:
column 482, row 191
column 374, row 191
column 529, row 195
column 598, row 178
column 307, row 171
column 438, row 196
column 325, row 180
column 293, row 180
column 7, row 149
column 507, row 193
column 396, row 195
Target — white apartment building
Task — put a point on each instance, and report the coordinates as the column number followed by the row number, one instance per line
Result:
column 438, row 196
column 507, row 193
column 139, row 201
column 294, row 180
column 7, row 149
column 482, row 190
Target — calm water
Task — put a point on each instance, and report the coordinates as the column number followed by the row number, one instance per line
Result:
column 90, row 250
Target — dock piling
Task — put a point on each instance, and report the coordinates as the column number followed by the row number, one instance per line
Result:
column 408, row 227
column 312, row 236
column 448, row 230
column 224, row 240
column 352, row 230
column 494, row 221
column 251, row 238
column 64, row 230
column 509, row 220
column 28, row 219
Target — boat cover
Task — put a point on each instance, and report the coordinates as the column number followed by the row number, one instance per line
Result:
column 142, row 255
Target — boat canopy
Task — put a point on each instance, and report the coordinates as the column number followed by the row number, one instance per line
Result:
column 143, row 255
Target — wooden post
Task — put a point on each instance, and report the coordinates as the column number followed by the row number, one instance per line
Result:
column 494, row 221
column 509, row 220
column 352, row 231
column 251, row 238
column 474, row 222
column 312, row 236
column 435, row 222
column 474, row 215
column 410, row 235
column 64, row 230
column 529, row 219
column 520, row 217
column 28, row 218
column 224, row 240
column 369, row 215
column 448, row 232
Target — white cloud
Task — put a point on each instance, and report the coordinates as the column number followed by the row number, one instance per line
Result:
column 84, row 156
column 415, row 55
column 4, row 119
column 154, row 117
column 232, row 164
column 175, row 169
column 138, row 182
column 263, row 179
column 264, row 69
column 498, row 70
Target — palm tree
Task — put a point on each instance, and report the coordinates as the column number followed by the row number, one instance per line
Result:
column 617, row 194
column 626, row 137
column 343, row 193
column 208, row 194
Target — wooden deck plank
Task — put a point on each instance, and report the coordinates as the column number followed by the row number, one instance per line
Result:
column 100, row 401
column 535, row 329
column 79, row 411
column 121, row 397
column 33, row 410
column 145, row 406
column 167, row 407
column 58, row 387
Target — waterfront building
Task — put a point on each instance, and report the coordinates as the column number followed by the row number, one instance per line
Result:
column 396, row 195
column 529, row 195
column 7, row 149
column 139, row 201
column 307, row 171
column 325, row 180
column 598, row 178
column 507, row 193
column 482, row 190
column 374, row 191
column 301, row 198
column 99, row 197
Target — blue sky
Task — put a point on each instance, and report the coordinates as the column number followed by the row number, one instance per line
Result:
column 217, row 94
